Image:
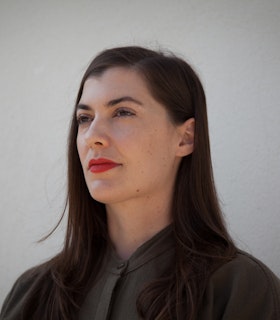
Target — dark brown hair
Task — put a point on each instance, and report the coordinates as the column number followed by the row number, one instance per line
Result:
column 202, row 242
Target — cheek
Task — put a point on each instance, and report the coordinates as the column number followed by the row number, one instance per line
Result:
column 160, row 149
column 78, row 144
column 152, row 150
column 81, row 148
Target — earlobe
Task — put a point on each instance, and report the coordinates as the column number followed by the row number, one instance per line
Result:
column 186, row 144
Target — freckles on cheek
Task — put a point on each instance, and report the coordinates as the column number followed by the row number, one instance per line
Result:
column 151, row 146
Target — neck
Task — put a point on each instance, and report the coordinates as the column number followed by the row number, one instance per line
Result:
column 129, row 228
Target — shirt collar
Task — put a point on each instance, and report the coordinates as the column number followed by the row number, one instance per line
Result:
column 160, row 243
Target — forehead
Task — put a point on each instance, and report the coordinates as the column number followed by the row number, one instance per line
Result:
column 117, row 81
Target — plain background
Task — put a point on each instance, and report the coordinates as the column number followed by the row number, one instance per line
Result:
column 45, row 48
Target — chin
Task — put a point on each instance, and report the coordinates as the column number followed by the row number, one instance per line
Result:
column 105, row 195
column 108, row 192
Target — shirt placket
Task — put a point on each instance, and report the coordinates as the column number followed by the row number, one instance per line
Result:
column 107, row 295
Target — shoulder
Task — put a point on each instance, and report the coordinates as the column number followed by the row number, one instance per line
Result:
column 247, row 268
column 244, row 288
column 17, row 296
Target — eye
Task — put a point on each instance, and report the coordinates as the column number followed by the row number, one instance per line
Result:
column 83, row 119
column 122, row 112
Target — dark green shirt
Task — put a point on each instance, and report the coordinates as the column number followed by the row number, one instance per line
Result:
column 115, row 293
column 243, row 289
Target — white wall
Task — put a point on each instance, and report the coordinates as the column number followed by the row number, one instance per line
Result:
column 45, row 47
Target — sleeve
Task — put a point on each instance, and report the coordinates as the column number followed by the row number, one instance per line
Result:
column 243, row 289
column 14, row 302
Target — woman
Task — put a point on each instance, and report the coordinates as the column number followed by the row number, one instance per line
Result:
column 145, row 236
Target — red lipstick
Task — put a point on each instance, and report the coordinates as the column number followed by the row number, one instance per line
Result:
column 101, row 165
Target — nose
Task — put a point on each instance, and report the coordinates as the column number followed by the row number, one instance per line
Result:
column 96, row 136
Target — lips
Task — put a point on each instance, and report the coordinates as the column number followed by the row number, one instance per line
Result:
column 101, row 165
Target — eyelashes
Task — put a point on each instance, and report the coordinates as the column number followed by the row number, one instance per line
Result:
column 84, row 118
column 123, row 112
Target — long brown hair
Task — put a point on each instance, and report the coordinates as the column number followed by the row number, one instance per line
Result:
column 202, row 241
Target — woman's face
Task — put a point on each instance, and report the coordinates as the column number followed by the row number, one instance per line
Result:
column 127, row 144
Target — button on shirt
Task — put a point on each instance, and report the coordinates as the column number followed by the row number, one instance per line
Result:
column 114, row 294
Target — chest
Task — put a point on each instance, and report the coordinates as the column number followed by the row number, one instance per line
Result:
column 114, row 295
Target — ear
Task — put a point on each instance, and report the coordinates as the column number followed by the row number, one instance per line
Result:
column 186, row 133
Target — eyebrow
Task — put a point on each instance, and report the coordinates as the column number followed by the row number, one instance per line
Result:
column 112, row 103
